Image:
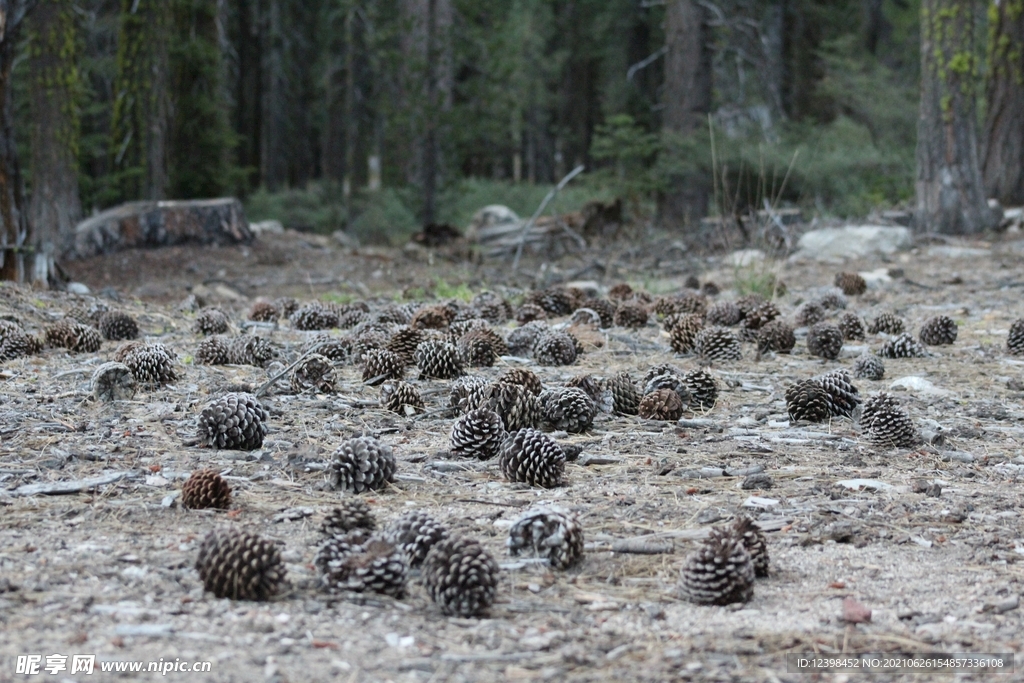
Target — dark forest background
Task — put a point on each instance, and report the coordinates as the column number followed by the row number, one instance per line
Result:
column 379, row 116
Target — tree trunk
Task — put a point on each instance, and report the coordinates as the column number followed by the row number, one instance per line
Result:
column 14, row 226
column 273, row 152
column 55, row 206
column 1003, row 163
column 950, row 196
column 687, row 103
column 248, row 84
column 141, row 104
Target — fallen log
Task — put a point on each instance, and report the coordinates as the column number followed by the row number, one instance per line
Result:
column 159, row 224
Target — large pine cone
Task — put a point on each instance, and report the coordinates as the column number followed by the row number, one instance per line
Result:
column 264, row 312
column 684, row 331
column 851, row 326
column 776, row 336
column 241, row 566
column 868, row 366
column 116, row 326
column 555, row 348
column 724, row 314
column 842, row 395
column 438, row 360
column 74, row 337
column 625, row 397
column 478, row 434
column 808, row 400
column 887, row 423
column 211, row 321
column 401, row 398
column 524, row 377
column 902, row 346
column 380, row 365
column 212, row 351
column 206, row 489
column 754, row 541
column 362, row 464
column 531, row 457
column 314, row 373
column 661, row 404
column 415, row 533
column 461, row 577
column 810, row 313
column 824, row 340
column 235, row 421
column 938, row 331
column 720, row 572
column 887, row 322
column 248, row 349
column 314, row 317
column 150, row 364
column 717, row 344
column 568, row 409
column 375, row 566
column 703, row 388
column 516, row 404
column 403, row 343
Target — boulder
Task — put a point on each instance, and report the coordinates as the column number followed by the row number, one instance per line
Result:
column 852, row 241
column 159, row 224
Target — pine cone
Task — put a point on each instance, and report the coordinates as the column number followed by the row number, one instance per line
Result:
column 401, row 398
column 720, row 572
column 630, row 315
column 555, row 301
column 149, row 363
column 568, row 409
column 527, row 313
column 212, row 351
column 350, row 514
column 754, row 541
column 711, row 289
column 717, row 344
column 808, row 400
column 241, row 566
column 662, row 404
column 465, row 393
column 938, row 331
column 206, row 489
column 339, row 349
column 350, row 315
column 518, row 407
column 683, row 334
column 668, row 380
column 887, row 423
column 264, row 312
column 314, row 317
column 852, row 284
column 868, row 366
column 620, row 292
column 461, row 577
column 703, row 389
column 825, row 341
column 808, row 314
column 902, row 346
column 248, row 349
column 555, row 348
column 522, row 339
column 415, row 533
column 113, row 382
column 287, row 305
column 373, row 567
column 492, row 308
column 851, row 326
column 724, row 314
column 603, row 400
column 843, row 396
column 1015, row 340
column 605, row 310
column 776, row 336
column 380, row 365
column 362, row 464
column 524, row 377
column 432, row 318
column 235, row 421
column 625, row 397
column 438, row 360
column 403, row 344
column 695, row 304
column 211, row 321
column 832, row 299
column 480, row 347
column 759, row 315
column 399, row 314
column 73, row 336
column 478, row 434
column 88, row 315
column 551, row 532
column 15, row 343
column 888, row 323
column 315, row 373
column 691, row 282
column 364, row 341
column 531, row 457
column 749, row 302
column 115, row 325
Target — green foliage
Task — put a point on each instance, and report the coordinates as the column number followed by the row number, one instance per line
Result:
column 384, row 218
column 319, row 208
column 631, row 151
column 759, row 278
column 443, row 290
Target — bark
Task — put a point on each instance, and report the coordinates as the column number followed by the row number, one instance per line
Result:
column 1003, row 162
column 273, row 145
column 687, row 101
column 14, row 226
column 55, row 206
column 142, row 105
column 248, row 88
column 802, row 66
column 950, row 196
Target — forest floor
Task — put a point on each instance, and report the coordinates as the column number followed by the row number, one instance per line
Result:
column 109, row 571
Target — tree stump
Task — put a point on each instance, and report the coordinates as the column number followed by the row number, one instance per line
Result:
column 159, row 224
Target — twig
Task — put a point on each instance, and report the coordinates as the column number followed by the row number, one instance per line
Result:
column 540, row 209
column 270, row 382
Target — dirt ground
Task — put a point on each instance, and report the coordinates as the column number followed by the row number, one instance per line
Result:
column 109, row 570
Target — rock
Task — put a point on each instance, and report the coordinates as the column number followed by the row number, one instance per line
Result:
column 743, row 258
column 344, row 239
column 77, row 288
column 271, row 226
column 851, row 241
column 491, row 216
column 919, row 385
column 855, row 612
column 945, row 251
column 157, row 224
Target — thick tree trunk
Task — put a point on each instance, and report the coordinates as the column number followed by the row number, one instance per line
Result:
column 950, row 196
column 141, row 104
column 687, row 103
column 55, row 206
column 14, row 226
column 247, row 72
column 273, row 150
column 1003, row 163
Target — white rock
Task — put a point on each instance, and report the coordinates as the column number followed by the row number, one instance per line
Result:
column 270, row 226
column 77, row 288
column 864, row 484
column 957, row 252
column 919, row 385
column 851, row 241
